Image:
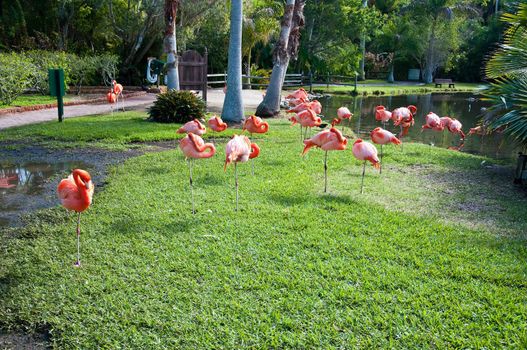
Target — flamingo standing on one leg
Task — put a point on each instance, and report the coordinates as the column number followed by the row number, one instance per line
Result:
column 194, row 147
column 382, row 137
column 216, row 124
column 76, row 193
column 118, row 90
column 328, row 140
column 365, row 151
column 255, row 125
column 193, row 126
column 344, row 113
column 239, row 149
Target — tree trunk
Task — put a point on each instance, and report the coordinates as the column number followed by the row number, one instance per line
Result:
column 430, row 56
column 233, row 104
column 270, row 106
column 362, row 73
column 170, row 45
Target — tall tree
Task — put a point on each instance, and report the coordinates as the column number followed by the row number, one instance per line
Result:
column 270, row 106
column 170, row 45
column 362, row 73
column 233, row 104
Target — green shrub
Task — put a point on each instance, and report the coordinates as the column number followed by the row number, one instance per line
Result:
column 83, row 70
column 16, row 75
column 177, row 107
column 106, row 68
column 43, row 60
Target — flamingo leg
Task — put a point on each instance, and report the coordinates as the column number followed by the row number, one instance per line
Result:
column 122, row 100
column 78, row 263
column 301, row 132
column 326, row 172
column 236, row 183
column 362, row 181
column 190, row 162
column 305, row 133
column 380, row 168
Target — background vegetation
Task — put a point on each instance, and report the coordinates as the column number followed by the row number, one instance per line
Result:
column 442, row 37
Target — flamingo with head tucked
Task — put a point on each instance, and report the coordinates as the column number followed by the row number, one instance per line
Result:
column 76, row 193
column 298, row 94
column 306, row 118
column 239, row 149
column 365, row 151
column 193, row 126
column 194, row 147
column 382, row 137
column 255, row 125
column 344, row 113
column 216, row 124
column 382, row 114
column 327, row 140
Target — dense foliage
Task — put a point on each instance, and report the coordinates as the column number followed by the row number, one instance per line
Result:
column 177, row 107
column 24, row 71
column 507, row 69
column 445, row 38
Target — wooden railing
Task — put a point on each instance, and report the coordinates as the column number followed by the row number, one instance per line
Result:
column 291, row 80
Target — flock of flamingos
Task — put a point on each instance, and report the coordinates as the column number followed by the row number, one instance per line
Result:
column 76, row 191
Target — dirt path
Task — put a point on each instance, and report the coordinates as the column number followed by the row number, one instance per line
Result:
column 215, row 98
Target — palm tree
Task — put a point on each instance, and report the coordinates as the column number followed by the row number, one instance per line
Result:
column 170, row 46
column 257, row 29
column 507, row 71
column 286, row 48
column 233, row 104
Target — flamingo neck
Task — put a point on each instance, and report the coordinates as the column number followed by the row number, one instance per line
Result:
column 81, row 186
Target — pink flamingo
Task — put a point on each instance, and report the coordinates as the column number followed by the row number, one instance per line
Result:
column 76, row 193
column 455, row 127
column 365, row 151
column 255, row 125
column 382, row 115
column 216, row 124
column 118, row 90
column 404, row 117
column 193, row 126
column 313, row 105
column 344, row 113
column 239, row 149
column 328, row 140
column 382, row 137
column 432, row 121
column 194, row 147
column 308, row 119
column 298, row 94
column 5, row 181
column 111, row 97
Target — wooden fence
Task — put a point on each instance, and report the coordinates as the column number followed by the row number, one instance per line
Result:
column 291, row 80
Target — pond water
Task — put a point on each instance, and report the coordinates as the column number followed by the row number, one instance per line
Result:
column 23, row 186
column 465, row 107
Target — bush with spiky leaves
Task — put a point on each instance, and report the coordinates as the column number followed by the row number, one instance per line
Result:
column 177, row 107
column 507, row 72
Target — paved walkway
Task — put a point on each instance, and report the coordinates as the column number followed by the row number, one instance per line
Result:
column 215, row 98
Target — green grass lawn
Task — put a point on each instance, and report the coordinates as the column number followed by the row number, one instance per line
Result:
column 31, row 100
column 405, row 265
column 394, row 89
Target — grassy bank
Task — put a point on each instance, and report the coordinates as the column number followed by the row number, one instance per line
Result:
column 402, row 266
column 396, row 89
column 31, row 100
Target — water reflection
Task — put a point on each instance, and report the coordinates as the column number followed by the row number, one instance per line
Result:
column 467, row 108
column 22, row 186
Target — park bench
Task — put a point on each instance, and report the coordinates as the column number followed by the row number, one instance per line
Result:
column 440, row 82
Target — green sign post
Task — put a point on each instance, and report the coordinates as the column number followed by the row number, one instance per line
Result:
column 57, row 88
